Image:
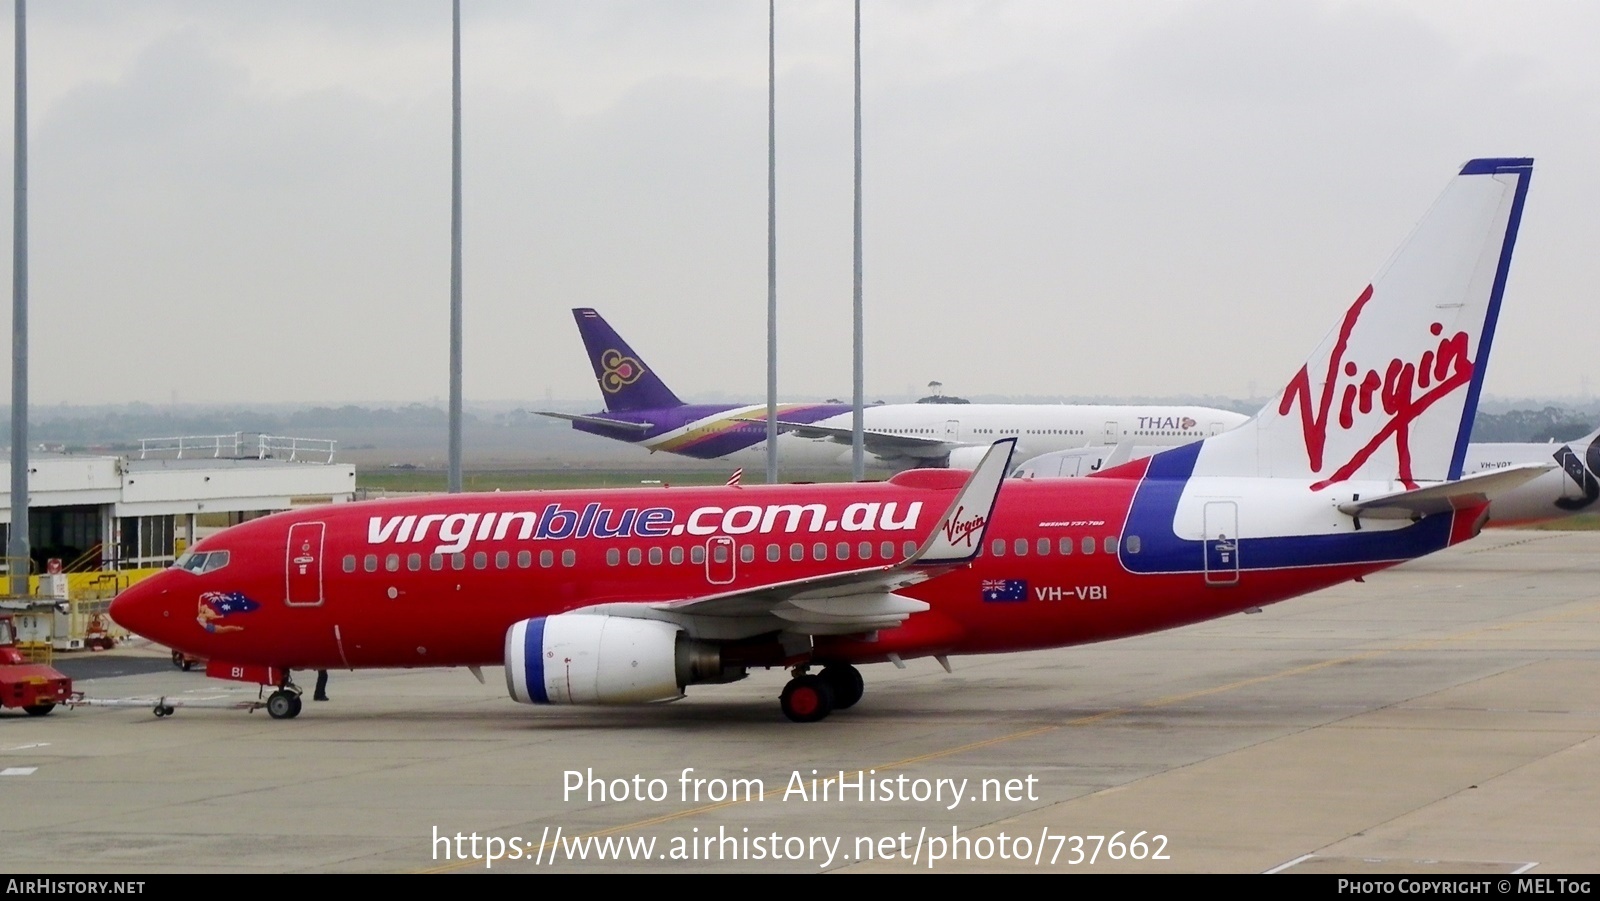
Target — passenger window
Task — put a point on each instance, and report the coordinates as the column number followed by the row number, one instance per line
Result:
column 797, row 552
column 1110, row 544
column 502, row 560
column 697, row 554
column 719, row 553
column 1087, row 544
column 370, row 564
column 908, row 548
column 414, row 562
column 1020, row 546
column 842, row 550
column 435, row 562
column 1133, row 544
column 349, row 563
column 886, row 550
column 613, row 556
column 997, row 547
column 547, row 559
column 392, row 563
column 1044, row 546
column 864, row 550
column 480, row 560
column 1066, row 546
column 458, row 562
column 655, row 556
column 774, row 553
column 676, row 556
column 569, row 557
column 747, row 553
column 635, row 556
column 819, row 551
column 524, row 559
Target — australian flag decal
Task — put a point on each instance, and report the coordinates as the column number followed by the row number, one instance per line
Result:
column 226, row 603
column 1004, row 590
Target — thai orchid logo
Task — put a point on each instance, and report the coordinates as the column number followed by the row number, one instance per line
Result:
column 618, row 371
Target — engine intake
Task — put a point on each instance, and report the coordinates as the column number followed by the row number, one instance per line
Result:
column 581, row 658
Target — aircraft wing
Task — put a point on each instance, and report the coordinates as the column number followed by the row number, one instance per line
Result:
column 882, row 444
column 1445, row 496
column 640, row 427
column 842, row 603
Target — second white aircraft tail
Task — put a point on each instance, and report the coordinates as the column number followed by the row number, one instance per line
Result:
column 1390, row 393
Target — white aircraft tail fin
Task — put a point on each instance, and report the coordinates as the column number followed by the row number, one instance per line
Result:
column 1391, row 392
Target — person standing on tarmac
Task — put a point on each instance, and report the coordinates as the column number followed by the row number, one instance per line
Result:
column 321, row 692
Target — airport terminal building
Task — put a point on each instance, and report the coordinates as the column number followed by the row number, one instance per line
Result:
column 98, row 513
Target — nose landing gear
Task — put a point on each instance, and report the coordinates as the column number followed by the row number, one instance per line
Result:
column 285, row 703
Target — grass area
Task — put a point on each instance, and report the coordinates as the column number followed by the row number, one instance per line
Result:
column 430, row 480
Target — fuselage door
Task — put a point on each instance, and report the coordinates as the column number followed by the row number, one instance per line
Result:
column 1222, row 542
column 1113, row 432
column 952, row 430
column 303, row 564
column 719, row 559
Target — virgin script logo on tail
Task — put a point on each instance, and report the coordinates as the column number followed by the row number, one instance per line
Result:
column 1383, row 403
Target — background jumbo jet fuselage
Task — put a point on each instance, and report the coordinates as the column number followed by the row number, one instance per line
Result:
column 642, row 410
column 626, row 596
column 1570, row 488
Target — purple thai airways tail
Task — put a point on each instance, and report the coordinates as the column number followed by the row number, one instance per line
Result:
column 625, row 382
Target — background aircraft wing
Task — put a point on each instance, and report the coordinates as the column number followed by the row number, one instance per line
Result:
column 840, row 603
column 879, row 444
column 640, row 427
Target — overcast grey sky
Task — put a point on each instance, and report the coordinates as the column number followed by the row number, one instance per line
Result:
column 246, row 201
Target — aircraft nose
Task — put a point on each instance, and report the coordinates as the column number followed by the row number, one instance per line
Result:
column 145, row 608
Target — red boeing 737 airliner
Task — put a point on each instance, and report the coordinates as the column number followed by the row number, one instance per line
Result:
column 627, row 596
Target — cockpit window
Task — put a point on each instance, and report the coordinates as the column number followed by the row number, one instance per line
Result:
column 210, row 561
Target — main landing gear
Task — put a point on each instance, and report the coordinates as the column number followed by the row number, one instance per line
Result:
column 808, row 698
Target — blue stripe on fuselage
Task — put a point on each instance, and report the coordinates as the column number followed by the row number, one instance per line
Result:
column 1155, row 506
column 533, row 660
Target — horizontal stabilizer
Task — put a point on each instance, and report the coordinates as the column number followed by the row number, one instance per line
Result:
column 1443, row 497
column 640, row 427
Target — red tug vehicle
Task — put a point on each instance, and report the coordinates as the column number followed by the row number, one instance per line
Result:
column 35, row 687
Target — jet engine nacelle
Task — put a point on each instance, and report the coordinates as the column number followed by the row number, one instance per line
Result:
column 581, row 658
column 966, row 457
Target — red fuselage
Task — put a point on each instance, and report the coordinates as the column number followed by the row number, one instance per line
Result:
column 437, row 581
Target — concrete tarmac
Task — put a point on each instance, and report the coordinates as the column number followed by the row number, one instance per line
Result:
column 1440, row 717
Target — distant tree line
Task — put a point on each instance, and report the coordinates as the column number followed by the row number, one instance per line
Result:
column 1549, row 424
column 121, row 427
